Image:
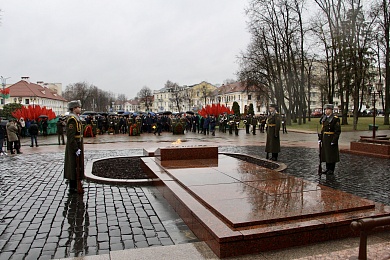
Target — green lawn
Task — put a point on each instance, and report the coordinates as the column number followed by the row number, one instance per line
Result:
column 362, row 124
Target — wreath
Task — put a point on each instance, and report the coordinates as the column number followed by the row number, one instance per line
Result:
column 88, row 131
column 178, row 129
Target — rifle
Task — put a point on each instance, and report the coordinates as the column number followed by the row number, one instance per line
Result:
column 320, row 153
column 78, row 178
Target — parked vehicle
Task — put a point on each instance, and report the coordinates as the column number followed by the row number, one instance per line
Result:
column 317, row 112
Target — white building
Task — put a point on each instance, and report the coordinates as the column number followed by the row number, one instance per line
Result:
column 42, row 94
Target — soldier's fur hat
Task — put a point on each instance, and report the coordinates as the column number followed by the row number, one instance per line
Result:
column 74, row 103
column 329, row 106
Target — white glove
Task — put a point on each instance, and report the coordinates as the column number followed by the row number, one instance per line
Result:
column 78, row 152
column 319, row 141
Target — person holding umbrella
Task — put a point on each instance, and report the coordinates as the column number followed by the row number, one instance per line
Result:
column 74, row 151
column 45, row 125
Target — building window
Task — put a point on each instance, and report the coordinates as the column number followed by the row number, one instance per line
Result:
column 249, row 97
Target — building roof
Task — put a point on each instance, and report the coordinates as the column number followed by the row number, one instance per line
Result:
column 24, row 88
column 231, row 88
column 235, row 87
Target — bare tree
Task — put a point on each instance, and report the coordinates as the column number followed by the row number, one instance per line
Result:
column 145, row 96
column 176, row 95
column 121, row 99
column 348, row 51
column 91, row 97
column 275, row 59
column 79, row 91
column 381, row 10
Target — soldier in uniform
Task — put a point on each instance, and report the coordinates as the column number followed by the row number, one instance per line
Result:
column 254, row 124
column 284, row 124
column 262, row 123
column 329, row 137
column 247, row 122
column 213, row 123
column 236, row 124
column 60, row 131
column 273, row 128
column 74, row 151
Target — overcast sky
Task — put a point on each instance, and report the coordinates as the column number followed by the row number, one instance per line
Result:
column 122, row 45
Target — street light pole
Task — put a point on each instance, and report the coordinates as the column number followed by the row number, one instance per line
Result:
column 3, row 83
column 374, row 92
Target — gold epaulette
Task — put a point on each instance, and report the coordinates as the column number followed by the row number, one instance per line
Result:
column 78, row 125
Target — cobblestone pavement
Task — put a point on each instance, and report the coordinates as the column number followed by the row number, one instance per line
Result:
column 40, row 220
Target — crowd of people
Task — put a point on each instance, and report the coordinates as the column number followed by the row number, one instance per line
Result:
column 186, row 122
column 14, row 130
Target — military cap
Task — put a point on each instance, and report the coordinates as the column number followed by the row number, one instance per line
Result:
column 273, row 105
column 329, row 106
column 73, row 104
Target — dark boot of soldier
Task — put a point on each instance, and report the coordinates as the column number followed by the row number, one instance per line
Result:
column 274, row 157
column 329, row 168
column 72, row 186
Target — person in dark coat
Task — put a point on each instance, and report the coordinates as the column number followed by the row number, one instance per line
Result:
column 284, row 123
column 12, row 135
column 45, row 125
column 206, row 125
column 74, row 151
column 159, row 123
column 329, row 138
column 33, row 131
column 2, row 137
column 60, row 131
column 213, row 123
column 273, row 128
column 254, row 124
column 247, row 122
column 149, row 123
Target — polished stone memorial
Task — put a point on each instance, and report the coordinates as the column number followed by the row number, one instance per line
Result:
column 238, row 207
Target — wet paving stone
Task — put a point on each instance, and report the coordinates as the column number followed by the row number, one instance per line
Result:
column 359, row 175
column 40, row 220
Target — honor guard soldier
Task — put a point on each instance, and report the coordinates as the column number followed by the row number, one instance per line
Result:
column 329, row 137
column 74, row 151
column 273, row 128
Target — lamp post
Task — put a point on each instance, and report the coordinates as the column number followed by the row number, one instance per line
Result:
column 4, row 83
column 373, row 92
column 204, row 94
